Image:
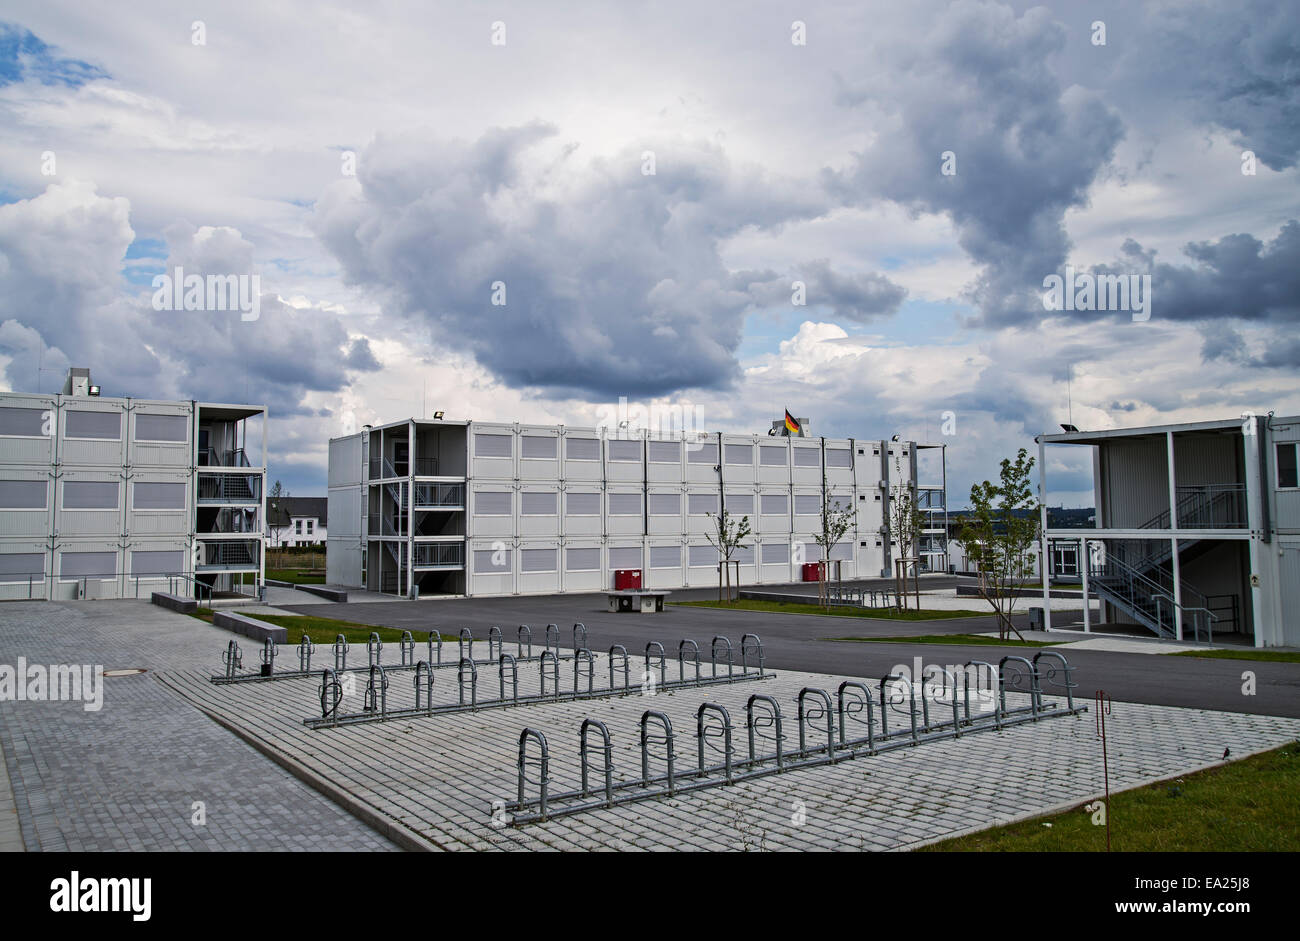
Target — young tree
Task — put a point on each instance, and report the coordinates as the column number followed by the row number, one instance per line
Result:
column 277, row 521
column 905, row 524
column 836, row 520
column 727, row 537
column 999, row 536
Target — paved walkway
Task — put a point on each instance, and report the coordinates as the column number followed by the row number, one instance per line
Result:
column 128, row 776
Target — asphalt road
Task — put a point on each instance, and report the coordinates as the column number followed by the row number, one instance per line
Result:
column 800, row 642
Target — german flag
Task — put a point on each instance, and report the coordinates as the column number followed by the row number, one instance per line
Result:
column 791, row 426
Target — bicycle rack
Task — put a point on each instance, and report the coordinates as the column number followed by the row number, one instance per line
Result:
column 768, row 718
column 618, row 655
column 553, row 639
column 584, row 665
column 525, row 637
column 331, row 693
column 508, row 660
column 542, row 761
column 659, row 656
column 269, row 653
column 495, row 648
column 704, row 731
column 465, row 644
column 305, row 649
column 550, row 687
column 374, row 649
column 340, row 652
column 1023, row 681
column 579, row 636
column 407, row 647
column 890, row 682
column 424, row 680
column 763, row 721
column 555, row 670
column 1050, row 676
column 682, row 647
column 853, row 698
column 377, row 693
column 647, row 740
column 822, row 710
column 751, row 645
column 434, row 643
column 467, row 670
column 607, row 747
column 233, row 658
column 713, row 654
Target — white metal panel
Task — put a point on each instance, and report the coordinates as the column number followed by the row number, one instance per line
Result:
column 345, row 463
column 585, row 570
column 806, row 461
column 740, row 460
column 539, row 565
column 702, row 460
column 142, row 520
column 1289, row 585
column 343, row 560
column 90, row 447
column 665, row 506
column 773, row 456
column 86, row 522
column 583, row 455
column 30, row 520
column 583, row 509
column 773, row 510
column 492, row 565
column 665, row 460
column 344, row 508
column 624, row 459
column 839, row 458
column 493, row 509
column 534, row 501
column 539, row 452
column 24, row 565
column 153, row 445
column 620, row 499
column 27, row 435
column 494, row 449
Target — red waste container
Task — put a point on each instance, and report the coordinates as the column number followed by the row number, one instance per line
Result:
column 627, row 578
column 811, row 571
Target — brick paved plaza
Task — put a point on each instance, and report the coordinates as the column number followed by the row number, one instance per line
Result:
column 126, row 777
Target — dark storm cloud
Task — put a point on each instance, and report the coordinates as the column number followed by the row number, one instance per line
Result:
column 1236, row 65
column 1026, row 148
column 61, row 288
column 612, row 278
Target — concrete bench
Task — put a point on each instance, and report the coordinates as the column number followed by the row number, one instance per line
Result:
column 647, row 601
column 332, row 594
column 250, row 627
column 174, row 602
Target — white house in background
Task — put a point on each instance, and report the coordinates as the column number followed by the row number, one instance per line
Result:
column 106, row 497
column 296, row 521
column 1198, row 528
column 420, row 507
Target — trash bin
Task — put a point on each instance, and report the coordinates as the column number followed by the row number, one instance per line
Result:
column 627, row 578
column 811, row 571
column 1035, row 619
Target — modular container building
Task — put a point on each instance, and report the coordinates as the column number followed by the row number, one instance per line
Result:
column 1198, row 528
column 431, row 507
column 106, row 497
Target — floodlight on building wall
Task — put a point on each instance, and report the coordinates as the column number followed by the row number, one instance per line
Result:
column 437, row 416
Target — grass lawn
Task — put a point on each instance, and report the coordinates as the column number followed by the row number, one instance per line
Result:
column 325, row 630
column 1276, row 656
column 880, row 614
column 966, row 639
column 1252, row 805
column 297, row 576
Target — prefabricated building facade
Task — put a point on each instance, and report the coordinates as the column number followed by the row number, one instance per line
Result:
column 431, row 507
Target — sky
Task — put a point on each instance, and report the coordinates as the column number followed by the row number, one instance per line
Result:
column 527, row 212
